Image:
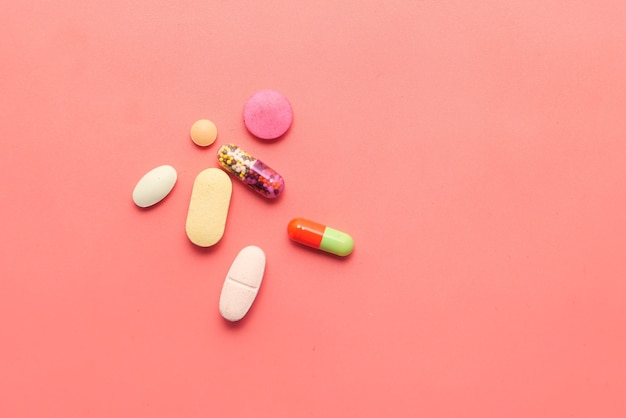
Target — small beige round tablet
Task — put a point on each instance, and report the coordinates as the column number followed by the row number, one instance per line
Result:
column 203, row 132
column 208, row 207
column 242, row 283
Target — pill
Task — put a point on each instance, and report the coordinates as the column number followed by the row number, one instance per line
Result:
column 208, row 207
column 267, row 114
column 154, row 186
column 203, row 132
column 252, row 172
column 319, row 236
column 242, row 283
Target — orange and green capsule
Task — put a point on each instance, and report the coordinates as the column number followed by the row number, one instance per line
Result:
column 320, row 236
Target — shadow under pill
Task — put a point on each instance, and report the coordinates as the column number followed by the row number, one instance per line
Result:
column 265, row 200
column 152, row 207
column 234, row 325
column 321, row 253
column 202, row 250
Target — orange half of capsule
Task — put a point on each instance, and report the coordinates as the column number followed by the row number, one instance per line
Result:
column 306, row 232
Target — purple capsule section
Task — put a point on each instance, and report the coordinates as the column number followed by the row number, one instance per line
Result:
column 264, row 180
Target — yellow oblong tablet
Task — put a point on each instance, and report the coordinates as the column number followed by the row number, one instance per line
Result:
column 208, row 207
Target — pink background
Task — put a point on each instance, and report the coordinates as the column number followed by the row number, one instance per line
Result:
column 474, row 150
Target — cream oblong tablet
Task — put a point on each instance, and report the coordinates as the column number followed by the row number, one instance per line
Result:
column 242, row 283
column 208, row 207
column 154, row 186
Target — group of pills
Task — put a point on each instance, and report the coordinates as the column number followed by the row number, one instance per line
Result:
column 267, row 115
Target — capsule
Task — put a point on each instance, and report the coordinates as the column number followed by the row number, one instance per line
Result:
column 252, row 172
column 320, row 236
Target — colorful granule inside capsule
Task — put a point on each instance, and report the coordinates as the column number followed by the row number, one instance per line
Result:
column 254, row 173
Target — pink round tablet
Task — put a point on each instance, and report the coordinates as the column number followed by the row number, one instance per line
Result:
column 267, row 114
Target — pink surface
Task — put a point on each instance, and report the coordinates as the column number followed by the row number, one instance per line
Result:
column 474, row 150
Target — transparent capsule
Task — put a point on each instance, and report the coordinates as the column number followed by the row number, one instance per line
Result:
column 252, row 172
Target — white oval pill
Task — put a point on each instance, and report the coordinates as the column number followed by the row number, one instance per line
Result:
column 242, row 283
column 208, row 207
column 154, row 186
